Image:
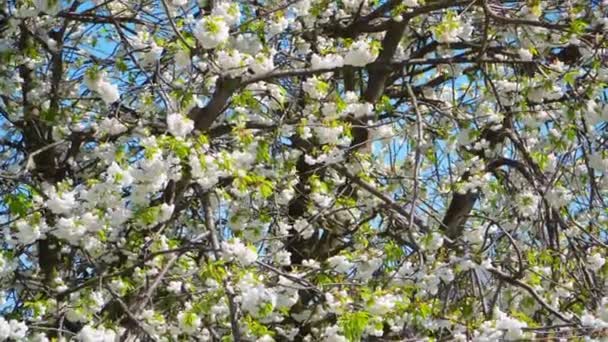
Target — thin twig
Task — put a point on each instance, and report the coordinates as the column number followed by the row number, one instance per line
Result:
column 210, row 223
column 531, row 291
column 174, row 27
column 128, row 312
column 417, row 153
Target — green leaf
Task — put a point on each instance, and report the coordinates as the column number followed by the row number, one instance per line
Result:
column 203, row 139
column 570, row 78
column 541, row 159
column 102, row 236
column 179, row 147
column 425, row 310
column 265, row 309
column 393, row 251
column 246, row 99
column 353, row 324
column 385, row 105
column 571, row 133
column 256, row 328
column 214, row 270
column 18, row 204
column 121, row 65
column 265, row 190
column 263, row 152
column 534, row 279
column 148, row 216
column 524, row 318
column 578, row 26
column 49, row 115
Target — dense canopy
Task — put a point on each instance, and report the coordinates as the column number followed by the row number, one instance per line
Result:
column 303, row 170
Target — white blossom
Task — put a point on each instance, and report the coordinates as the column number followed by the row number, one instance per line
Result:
column 329, row 61
column 340, row 263
column 107, row 91
column 175, row 286
column 182, row 59
column 90, row 334
column 597, row 162
column 212, row 31
column 111, row 126
column 596, row 261
column 525, row 54
column 332, row 334
column 189, row 322
column 383, row 304
column 512, row 326
column 328, row 135
column 179, row 125
column 262, row 64
column 254, row 296
column 235, row 63
column 230, row 12
column 305, row 229
column 359, row 54
column 315, row 88
column 242, row 253
column 277, row 26
column 302, row 7
column 61, row 203
column 27, row 233
column 166, row 211
column 354, row 5
column 283, row 258
column 527, row 203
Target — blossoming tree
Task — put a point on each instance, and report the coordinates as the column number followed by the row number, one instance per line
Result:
column 308, row 170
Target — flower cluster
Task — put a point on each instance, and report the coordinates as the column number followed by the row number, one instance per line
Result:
column 97, row 83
